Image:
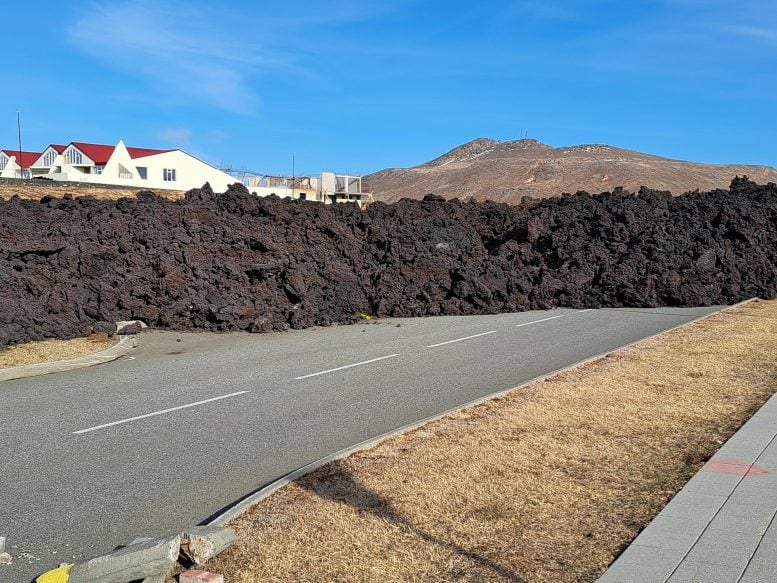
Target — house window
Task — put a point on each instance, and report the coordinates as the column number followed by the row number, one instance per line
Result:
column 143, row 172
column 48, row 159
column 74, row 157
column 3, row 162
column 99, row 169
column 124, row 173
column 169, row 174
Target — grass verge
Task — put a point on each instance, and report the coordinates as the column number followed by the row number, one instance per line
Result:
column 549, row 483
column 51, row 350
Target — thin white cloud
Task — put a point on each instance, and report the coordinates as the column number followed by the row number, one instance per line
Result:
column 199, row 53
column 176, row 136
column 184, row 53
column 766, row 35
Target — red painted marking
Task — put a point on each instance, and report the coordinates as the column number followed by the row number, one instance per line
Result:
column 735, row 468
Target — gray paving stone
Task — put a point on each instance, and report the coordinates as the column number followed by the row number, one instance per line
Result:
column 689, row 572
column 757, row 436
column 762, row 568
column 769, row 410
column 672, row 532
column 755, row 497
column 763, row 565
column 744, row 453
column 761, row 422
column 696, row 516
column 755, row 491
column 643, row 564
column 755, row 579
column 770, row 536
column 742, row 518
column 688, row 499
column 713, row 483
column 768, row 458
column 717, row 547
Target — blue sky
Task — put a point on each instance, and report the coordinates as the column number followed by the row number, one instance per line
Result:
column 360, row 85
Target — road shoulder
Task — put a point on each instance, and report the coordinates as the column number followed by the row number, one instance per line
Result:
column 548, row 483
column 125, row 344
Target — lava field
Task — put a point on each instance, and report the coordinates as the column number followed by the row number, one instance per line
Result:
column 232, row 261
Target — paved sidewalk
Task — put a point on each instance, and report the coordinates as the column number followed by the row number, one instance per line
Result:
column 721, row 527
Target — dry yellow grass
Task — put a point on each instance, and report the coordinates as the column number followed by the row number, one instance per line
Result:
column 39, row 188
column 546, row 484
column 49, row 350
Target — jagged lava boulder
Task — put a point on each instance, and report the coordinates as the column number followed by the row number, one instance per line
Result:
column 232, row 261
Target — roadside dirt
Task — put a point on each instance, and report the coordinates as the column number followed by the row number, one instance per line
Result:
column 37, row 189
column 547, row 484
column 51, row 350
column 232, row 261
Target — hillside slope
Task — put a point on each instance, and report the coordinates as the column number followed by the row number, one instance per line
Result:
column 506, row 171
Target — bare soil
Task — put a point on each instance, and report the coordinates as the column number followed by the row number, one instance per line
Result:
column 548, row 484
column 37, row 189
column 487, row 169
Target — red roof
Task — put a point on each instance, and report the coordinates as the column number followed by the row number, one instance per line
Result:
column 99, row 153
column 27, row 158
column 58, row 147
column 143, row 152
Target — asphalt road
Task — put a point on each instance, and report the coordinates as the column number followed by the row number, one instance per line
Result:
column 189, row 423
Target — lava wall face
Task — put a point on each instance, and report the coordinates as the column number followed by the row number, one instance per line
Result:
column 232, row 261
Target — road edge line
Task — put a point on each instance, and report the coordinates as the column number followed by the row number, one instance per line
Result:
column 244, row 504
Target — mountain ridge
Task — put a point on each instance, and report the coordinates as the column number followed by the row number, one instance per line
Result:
column 506, row 171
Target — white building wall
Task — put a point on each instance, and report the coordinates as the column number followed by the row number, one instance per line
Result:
column 188, row 171
column 46, row 170
column 12, row 169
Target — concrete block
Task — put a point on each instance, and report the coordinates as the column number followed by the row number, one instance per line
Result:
column 643, row 565
column 138, row 561
column 195, row 576
column 742, row 518
column 689, row 572
column 201, row 543
column 720, row 547
column 672, row 532
column 3, row 541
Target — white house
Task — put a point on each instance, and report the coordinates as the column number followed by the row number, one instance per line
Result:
column 123, row 166
column 144, row 168
column 14, row 166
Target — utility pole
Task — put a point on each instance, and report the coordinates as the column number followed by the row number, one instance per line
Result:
column 19, row 127
column 293, row 175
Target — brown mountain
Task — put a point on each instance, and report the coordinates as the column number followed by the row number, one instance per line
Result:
column 506, row 171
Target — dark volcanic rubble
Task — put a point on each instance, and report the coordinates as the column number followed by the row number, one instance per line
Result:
column 232, row 261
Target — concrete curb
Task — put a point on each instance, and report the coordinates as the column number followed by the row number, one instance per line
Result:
column 126, row 343
column 244, row 504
